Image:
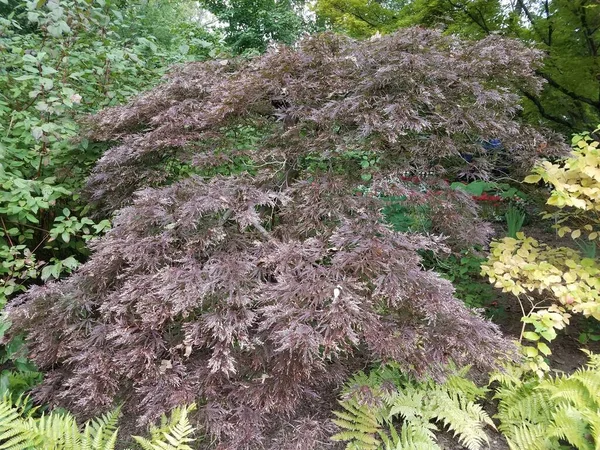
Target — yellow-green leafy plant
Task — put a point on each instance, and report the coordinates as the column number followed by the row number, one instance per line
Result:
column 545, row 414
column 553, row 282
column 386, row 410
column 21, row 428
column 173, row 433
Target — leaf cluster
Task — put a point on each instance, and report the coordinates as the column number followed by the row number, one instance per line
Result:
column 522, row 265
column 59, row 61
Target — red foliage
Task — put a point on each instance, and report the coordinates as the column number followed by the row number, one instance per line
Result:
column 258, row 293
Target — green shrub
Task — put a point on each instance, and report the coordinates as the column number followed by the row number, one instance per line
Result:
column 568, row 279
column 464, row 271
column 59, row 61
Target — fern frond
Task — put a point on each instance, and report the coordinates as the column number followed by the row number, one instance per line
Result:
column 357, row 424
column 542, row 414
column 528, row 436
column 569, row 424
column 414, row 437
column 509, row 376
column 523, row 405
column 569, row 391
column 465, row 419
column 408, row 405
column 458, row 384
column 173, row 434
column 593, row 360
column 99, row 432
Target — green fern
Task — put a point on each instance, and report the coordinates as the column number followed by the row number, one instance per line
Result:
column 542, row 414
column 376, row 404
column 21, row 428
column 173, row 433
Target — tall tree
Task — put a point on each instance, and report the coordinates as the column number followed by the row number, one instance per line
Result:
column 568, row 31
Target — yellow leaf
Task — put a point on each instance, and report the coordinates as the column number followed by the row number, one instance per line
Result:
column 575, row 234
column 532, row 178
column 530, row 352
column 570, row 277
column 543, row 348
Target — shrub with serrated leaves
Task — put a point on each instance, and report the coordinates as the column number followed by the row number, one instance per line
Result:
column 259, row 290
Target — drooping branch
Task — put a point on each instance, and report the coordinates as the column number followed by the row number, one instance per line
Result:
column 256, row 224
column 538, row 104
column 481, row 23
column 575, row 96
column 523, row 7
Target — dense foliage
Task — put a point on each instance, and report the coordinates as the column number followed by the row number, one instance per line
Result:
column 74, row 57
column 59, row 61
column 568, row 31
column 549, row 413
column 23, row 427
column 552, row 282
column 374, row 403
column 252, row 268
column 251, row 25
column 386, row 410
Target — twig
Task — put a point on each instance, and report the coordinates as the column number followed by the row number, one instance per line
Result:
column 225, row 217
column 262, row 230
column 6, row 232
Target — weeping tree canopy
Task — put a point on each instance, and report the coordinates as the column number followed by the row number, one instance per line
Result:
column 567, row 31
column 250, row 266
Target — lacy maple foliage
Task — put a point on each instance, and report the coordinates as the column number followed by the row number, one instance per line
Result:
column 256, row 292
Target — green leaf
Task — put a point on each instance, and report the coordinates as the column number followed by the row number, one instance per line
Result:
column 31, row 218
column 544, row 348
column 531, row 336
column 530, row 352
column 46, row 273
column 70, row 263
column 37, row 133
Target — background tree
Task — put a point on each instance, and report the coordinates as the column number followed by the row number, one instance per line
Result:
column 568, row 31
column 252, row 24
column 249, row 264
